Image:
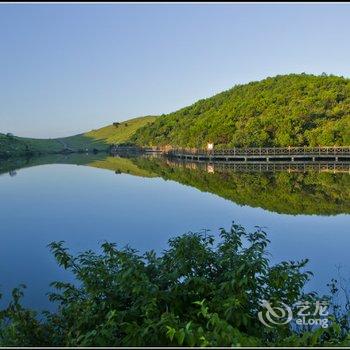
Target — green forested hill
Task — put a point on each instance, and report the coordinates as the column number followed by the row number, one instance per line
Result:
column 295, row 109
column 19, row 146
column 286, row 110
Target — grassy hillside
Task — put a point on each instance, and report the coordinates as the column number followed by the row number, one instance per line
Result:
column 120, row 132
column 295, row 109
column 99, row 139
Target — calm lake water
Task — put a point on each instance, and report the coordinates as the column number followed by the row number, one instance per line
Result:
column 143, row 202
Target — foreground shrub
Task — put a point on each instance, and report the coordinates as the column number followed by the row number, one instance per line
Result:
column 197, row 293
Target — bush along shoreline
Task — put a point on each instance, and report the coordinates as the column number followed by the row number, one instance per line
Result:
column 198, row 292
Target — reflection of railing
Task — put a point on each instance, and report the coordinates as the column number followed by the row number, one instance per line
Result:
column 290, row 167
column 287, row 167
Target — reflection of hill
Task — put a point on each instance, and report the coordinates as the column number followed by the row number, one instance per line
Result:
column 121, row 165
column 282, row 192
column 117, row 164
column 12, row 164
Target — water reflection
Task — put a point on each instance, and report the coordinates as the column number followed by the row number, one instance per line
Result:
column 320, row 189
column 288, row 188
column 144, row 201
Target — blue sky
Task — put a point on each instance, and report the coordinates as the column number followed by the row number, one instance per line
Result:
column 65, row 68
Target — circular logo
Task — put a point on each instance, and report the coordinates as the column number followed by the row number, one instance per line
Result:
column 275, row 315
